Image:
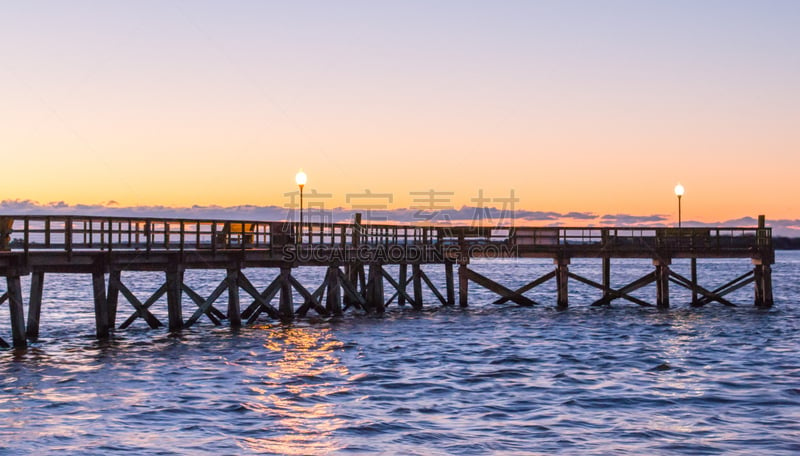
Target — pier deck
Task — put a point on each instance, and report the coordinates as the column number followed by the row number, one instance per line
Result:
column 354, row 255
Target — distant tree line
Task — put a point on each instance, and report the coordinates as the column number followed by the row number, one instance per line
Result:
column 786, row 243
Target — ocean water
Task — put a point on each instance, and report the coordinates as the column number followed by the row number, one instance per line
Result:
column 489, row 379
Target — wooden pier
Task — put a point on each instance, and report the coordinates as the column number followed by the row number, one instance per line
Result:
column 354, row 255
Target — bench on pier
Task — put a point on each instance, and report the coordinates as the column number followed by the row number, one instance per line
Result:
column 236, row 234
column 6, row 224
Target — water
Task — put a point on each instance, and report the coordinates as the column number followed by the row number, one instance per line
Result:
column 486, row 380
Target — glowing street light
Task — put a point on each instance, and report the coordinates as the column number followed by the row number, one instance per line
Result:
column 679, row 191
column 301, row 179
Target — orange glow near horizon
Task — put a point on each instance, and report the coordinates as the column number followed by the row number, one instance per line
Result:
column 572, row 110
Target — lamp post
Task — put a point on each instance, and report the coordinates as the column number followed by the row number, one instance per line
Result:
column 679, row 191
column 300, row 178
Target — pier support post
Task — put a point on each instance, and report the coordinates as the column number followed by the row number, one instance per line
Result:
column 114, row 279
column 562, row 282
column 100, row 304
column 463, row 285
column 286, row 306
column 234, row 311
column 375, row 292
column 606, row 299
column 416, row 272
column 695, row 301
column 451, row 292
column 401, row 298
column 16, row 310
column 662, row 283
column 334, row 297
column 35, row 304
column 763, row 284
column 174, row 295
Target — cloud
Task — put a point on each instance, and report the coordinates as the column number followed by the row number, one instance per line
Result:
column 462, row 215
column 627, row 219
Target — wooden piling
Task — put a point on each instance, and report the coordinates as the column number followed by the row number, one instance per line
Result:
column 100, row 304
column 35, row 304
column 416, row 277
column 401, row 299
column 451, row 292
column 463, row 285
column 286, row 306
column 694, row 282
column 16, row 311
column 606, row 299
column 662, row 283
column 334, row 296
column 234, row 311
column 375, row 290
column 763, row 284
column 562, row 282
column 174, row 294
column 112, row 298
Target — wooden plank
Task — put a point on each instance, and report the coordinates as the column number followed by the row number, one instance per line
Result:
column 318, row 294
column 308, row 296
column 432, row 287
column 261, row 300
column 718, row 293
column 35, row 305
column 3, row 297
column 200, row 301
column 206, row 306
column 141, row 309
column 612, row 293
column 495, row 287
column 397, row 286
column 351, row 292
column 529, row 286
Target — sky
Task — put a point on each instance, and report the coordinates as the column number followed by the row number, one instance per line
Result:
column 563, row 107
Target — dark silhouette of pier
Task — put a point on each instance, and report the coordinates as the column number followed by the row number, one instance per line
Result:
column 354, row 255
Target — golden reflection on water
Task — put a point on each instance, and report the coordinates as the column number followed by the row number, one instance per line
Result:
column 294, row 390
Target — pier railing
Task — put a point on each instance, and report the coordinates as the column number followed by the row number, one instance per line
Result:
column 75, row 233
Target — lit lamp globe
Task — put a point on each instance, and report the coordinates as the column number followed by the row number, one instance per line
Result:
column 301, row 179
column 679, row 191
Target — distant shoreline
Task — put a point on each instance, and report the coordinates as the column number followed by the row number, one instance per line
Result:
column 786, row 243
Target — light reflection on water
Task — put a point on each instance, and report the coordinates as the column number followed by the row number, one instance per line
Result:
column 486, row 380
column 293, row 389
